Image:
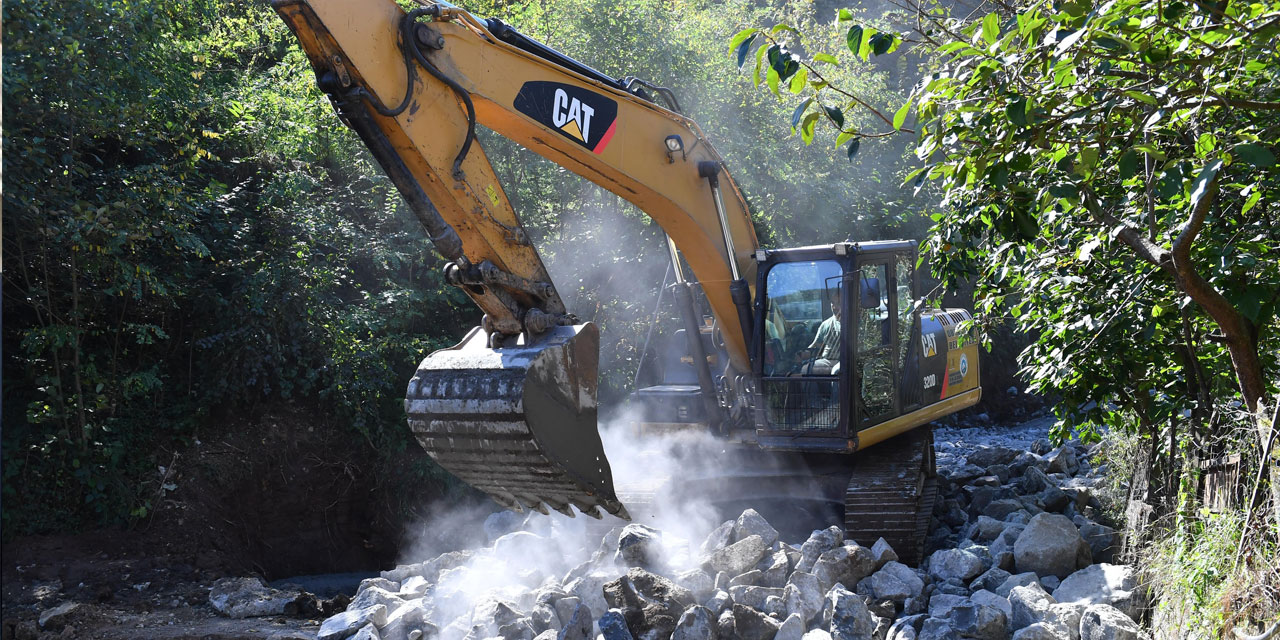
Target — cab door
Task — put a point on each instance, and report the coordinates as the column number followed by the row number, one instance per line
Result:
column 874, row 378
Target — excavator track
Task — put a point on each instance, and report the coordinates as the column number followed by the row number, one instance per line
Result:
column 891, row 495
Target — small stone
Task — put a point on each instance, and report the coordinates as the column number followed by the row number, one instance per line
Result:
column 1040, row 631
column 954, row 563
column 719, row 538
column 803, row 595
column 1030, row 605
column 980, row 621
column 367, row 632
column 817, row 634
column 346, row 623
column 719, row 602
column 753, row 597
column 56, row 618
column 936, row 629
column 1101, row 540
column 739, row 556
column 882, row 553
column 846, row 616
column 698, row 582
column 750, row 624
column 1062, row 460
column 990, row 599
column 990, row 580
column 696, row 623
column 1000, row 509
column 751, row 523
column 578, row 625
column 614, row 627
column 250, row 598
column 750, row 578
column 638, row 546
column 941, row 604
column 1105, row 622
column 819, row 542
column 792, row 628
column 1050, row 582
column 847, row 564
column 1019, row 580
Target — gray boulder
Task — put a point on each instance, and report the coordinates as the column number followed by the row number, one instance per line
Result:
column 405, row 619
column 990, row 599
column 776, row 574
column 751, row 523
column 613, row 626
column 754, row 597
column 649, row 602
column 985, row 529
column 1101, row 540
column 578, row 625
column 937, row 629
column 1105, row 622
column 1002, row 508
column 980, row 621
column 1030, row 604
column 696, row 623
column 847, row 564
column 501, row 523
column 894, row 581
column 698, row 582
column 882, row 553
column 639, row 546
column 792, row 628
column 942, row 604
column 990, row 580
column 367, row 632
column 1111, row 584
column 819, row 542
column 1063, row 460
column 749, row 624
column 957, row 564
column 719, row 602
column 845, row 615
column 987, row 456
column 1051, row 546
column 817, row 634
column 1040, row 631
column 747, row 579
column 1019, row 580
column 57, row 618
column 719, row 538
column 739, row 556
column 803, row 595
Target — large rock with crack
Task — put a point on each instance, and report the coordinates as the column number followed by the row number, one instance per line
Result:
column 696, row 623
column 749, row 624
column 738, row 557
column 958, row 564
column 847, row 564
column 1105, row 622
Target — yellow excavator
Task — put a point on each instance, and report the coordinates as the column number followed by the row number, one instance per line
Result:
column 763, row 359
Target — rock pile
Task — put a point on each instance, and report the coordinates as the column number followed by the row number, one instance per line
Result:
column 1019, row 554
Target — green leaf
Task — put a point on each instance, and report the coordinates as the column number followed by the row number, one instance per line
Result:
column 1255, row 154
column 1016, row 111
column 744, row 49
column 854, row 39
column 795, row 115
column 807, row 126
column 783, row 27
column 771, row 79
column 844, row 15
column 1205, row 144
column 1251, row 202
column 836, row 115
column 845, row 136
column 882, row 43
column 1128, row 164
column 1200, row 187
column 991, row 28
column 827, row 58
column 900, row 117
column 1140, row 97
column 742, row 36
column 798, row 80
column 853, row 148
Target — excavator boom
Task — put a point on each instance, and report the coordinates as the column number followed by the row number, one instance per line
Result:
column 512, row 409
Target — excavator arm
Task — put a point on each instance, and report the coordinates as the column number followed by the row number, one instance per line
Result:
column 511, row 410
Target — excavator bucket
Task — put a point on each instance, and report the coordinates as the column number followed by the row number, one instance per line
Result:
column 518, row 422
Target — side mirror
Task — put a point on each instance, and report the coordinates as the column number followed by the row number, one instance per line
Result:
column 869, row 289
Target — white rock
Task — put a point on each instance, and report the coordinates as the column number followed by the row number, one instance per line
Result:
column 846, row 616
column 819, row 542
column 792, row 628
column 990, row 599
column 941, row 604
column 803, row 595
column 248, row 598
column 959, row 564
column 751, row 523
column 847, row 564
column 1113, row 584
column 1040, row 631
column 882, row 553
column 1030, row 605
column 347, row 622
column 696, row 623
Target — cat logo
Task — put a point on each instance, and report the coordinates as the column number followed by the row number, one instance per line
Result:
column 583, row 116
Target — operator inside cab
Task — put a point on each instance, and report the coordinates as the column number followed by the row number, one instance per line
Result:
column 825, row 348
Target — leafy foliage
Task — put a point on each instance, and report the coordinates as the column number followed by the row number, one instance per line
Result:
column 190, row 232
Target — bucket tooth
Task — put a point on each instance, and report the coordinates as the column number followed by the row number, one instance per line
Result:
column 593, row 511
column 517, row 422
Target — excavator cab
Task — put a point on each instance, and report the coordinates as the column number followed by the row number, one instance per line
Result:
column 847, row 354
